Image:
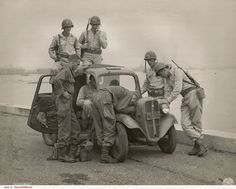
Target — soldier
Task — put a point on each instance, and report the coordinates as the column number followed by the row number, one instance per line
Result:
column 84, row 100
column 68, row 126
column 62, row 46
column 153, row 84
column 175, row 83
column 107, row 102
column 93, row 41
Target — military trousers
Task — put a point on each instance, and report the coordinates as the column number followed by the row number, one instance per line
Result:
column 68, row 125
column 56, row 68
column 89, row 58
column 104, row 118
column 191, row 115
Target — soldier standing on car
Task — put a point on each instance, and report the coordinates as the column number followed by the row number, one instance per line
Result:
column 175, row 83
column 84, row 100
column 107, row 102
column 68, row 127
column 153, row 84
column 93, row 41
column 62, row 46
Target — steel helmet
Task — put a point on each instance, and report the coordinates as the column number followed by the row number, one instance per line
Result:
column 66, row 23
column 159, row 66
column 95, row 20
column 150, row 55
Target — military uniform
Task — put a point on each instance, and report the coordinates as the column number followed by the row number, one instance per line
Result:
column 153, row 84
column 61, row 48
column 68, row 126
column 107, row 102
column 96, row 41
column 191, row 108
column 84, row 100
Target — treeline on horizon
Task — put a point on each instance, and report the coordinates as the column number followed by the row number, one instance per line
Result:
column 140, row 68
column 23, row 71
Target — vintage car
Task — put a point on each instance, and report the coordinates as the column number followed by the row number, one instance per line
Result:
column 152, row 123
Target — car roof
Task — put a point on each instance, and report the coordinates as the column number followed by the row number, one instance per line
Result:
column 103, row 69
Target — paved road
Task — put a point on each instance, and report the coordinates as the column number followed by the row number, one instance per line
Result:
column 23, row 161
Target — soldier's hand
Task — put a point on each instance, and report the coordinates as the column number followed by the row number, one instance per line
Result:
column 67, row 95
column 84, row 46
column 87, row 102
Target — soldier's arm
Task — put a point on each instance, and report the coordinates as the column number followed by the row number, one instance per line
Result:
column 77, row 47
column 81, row 97
column 103, row 39
column 82, row 38
column 145, row 86
column 52, row 48
column 178, row 83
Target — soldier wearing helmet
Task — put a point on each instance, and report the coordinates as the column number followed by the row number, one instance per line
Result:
column 92, row 42
column 62, row 46
column 153, row 85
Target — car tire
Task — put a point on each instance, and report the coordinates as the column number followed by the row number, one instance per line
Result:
column 120, row 148
column 167, row 144
column 49, row 139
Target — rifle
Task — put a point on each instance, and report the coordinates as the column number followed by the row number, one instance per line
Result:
column 200, row 91
column 188, row 75
column 86, row 37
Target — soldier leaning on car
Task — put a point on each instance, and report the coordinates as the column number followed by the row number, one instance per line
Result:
column 62, row 46
column 107, row 102
column 175, row 83
column 84, row 100
column 68, row 127
column 93, row 41
column 153, row 84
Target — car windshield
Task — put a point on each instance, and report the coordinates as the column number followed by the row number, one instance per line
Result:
column 126, row 81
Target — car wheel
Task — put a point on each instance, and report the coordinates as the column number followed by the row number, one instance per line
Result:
column 120, row 148
column 49, row 139
column 168, row 142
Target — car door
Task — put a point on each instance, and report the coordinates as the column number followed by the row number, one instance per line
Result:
column 42, row 115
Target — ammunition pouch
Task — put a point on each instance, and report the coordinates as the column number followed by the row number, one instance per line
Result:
column 200, row 93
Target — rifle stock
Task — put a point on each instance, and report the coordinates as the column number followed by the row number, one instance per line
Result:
column 86, row 37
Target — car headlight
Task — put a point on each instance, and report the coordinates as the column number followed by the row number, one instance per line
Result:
column 165, row 108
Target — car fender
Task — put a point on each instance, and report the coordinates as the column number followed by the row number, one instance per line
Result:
column 165, row 124
column 128, row 121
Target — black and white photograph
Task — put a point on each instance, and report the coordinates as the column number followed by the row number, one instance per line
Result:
column 128, row 93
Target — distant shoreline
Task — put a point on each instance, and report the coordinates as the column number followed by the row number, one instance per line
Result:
column 16, row 71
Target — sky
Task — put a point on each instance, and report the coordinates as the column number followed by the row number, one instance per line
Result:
column 196, row 34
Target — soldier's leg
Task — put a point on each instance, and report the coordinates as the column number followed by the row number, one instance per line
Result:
column 64, row 129
column 191, row 111
column 196, row 118
column 75, row 129
column 109, row 124
column 97, row 59
column 187, row 106
column 97, row 124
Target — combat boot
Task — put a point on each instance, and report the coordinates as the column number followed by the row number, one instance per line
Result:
column 73, row 151
column 195, row 150
column 58, row 153
column 203, row 148
column 105, row 157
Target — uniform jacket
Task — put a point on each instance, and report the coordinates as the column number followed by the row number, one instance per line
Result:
column 62, row 44
column 174, row 84
column 96, row 40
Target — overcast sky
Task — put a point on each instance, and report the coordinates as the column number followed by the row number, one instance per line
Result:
column 196, row 33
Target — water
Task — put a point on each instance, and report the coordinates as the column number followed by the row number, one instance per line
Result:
column 219, row 105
